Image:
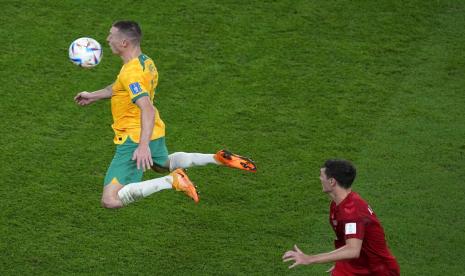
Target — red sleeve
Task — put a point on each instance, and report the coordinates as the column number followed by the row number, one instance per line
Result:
column 354, row 228
column 353, row 220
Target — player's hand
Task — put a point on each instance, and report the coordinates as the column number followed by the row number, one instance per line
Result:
column 84, row 98
column 143, row 157
column 295, row 255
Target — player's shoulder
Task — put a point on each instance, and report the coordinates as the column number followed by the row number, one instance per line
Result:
column 358, row 200
column 354, row 207
column 132, row 67
column 130, row 70
column 138, row 65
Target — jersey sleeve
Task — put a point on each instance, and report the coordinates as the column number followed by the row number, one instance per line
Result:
column 354, row 228
column 134, row 85
column 354, row 220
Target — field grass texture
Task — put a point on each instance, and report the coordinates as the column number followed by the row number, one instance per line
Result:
column 288, row 83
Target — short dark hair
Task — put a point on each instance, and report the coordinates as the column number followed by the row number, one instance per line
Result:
column 342, row 170
column 130, row 29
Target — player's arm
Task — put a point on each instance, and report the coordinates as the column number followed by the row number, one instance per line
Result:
column 85, row 98
column 351, row 250
column 142, row 154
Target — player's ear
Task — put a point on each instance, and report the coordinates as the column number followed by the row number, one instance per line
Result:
column 124, row 43
column 332, row 181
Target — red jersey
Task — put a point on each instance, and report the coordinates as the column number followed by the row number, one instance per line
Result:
column 353, row 218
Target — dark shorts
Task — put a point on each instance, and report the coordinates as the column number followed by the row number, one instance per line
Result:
column 123, row 169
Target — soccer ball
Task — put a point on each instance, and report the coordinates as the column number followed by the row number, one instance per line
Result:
column 85, row 52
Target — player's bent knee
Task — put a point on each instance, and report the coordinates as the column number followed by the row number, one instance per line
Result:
column 110, row 198
column 110, row 203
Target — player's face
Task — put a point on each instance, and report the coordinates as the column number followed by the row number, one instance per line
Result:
column 115, row 40
column 326, row 183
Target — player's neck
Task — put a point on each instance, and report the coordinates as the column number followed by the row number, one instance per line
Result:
column 339, row 195
column 131, row 54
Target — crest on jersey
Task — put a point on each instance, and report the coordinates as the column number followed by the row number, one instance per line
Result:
column 135, row 88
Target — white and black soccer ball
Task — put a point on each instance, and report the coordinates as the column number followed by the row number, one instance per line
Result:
column 85, row 52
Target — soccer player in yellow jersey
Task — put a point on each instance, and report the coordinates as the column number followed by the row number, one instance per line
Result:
column 139, row 130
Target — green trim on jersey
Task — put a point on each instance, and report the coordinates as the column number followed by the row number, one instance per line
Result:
column 140, row 96
column 124, row 170
column 142, row 59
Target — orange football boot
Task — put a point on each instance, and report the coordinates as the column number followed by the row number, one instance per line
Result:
column 232, row 160
column 182, row 183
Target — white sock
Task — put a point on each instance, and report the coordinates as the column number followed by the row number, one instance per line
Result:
column 135, row 191
column 186, row 160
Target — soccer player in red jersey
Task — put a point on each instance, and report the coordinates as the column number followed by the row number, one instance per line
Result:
column 361, row 247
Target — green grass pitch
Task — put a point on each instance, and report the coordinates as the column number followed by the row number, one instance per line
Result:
column 289, row 83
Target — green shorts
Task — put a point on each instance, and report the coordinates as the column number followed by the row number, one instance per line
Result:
column 124, row 170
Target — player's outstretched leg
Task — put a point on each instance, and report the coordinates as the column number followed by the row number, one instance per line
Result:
column 232, row 160
column 181, row 182
column 186, row 160
column 223, row 157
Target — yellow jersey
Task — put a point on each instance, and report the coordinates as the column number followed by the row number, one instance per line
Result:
column 137, row 78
